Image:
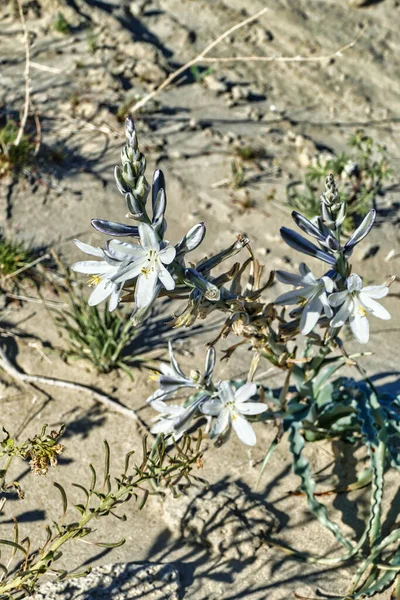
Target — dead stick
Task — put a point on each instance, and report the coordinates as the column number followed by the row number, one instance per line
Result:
column 102, row 398
column 26, row 75
column 195, row 60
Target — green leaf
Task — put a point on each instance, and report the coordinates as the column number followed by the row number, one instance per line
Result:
column 63, row 497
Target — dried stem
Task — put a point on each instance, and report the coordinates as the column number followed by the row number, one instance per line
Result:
column 195, row 60
column 202, row 57
column 26, row 75
column 99, row 397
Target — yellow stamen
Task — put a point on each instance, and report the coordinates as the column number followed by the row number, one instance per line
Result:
column 94, row 280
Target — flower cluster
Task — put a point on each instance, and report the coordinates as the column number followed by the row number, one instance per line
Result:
column 150, row 266
column 228, row 401
column 338, row 296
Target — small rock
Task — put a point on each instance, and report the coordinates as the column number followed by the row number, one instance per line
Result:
column 240, row 92
column 215, row 84
column 148, row 71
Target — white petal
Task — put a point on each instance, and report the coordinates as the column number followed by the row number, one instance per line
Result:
column 131, row 270
column 311, row 314
column 343, row 314
column 354, row 283
column 101, row 292
column 93, row 250
column 221, row 424
column 376, row 291
column 292, row 297
column 244, row 430
column 126, row 248
column 114, row 298
column 148, row 237
column 91, row 267
column 337, row 298
column 146, row 287
column 327, row 309
column 167, row 255
column 251, row 408
column 374, row 307
column 360, row 326
column 164, row 426
column 212, row 407
column 225, row 391
column 289, row 278
column 165, row 277
column 244, row 393
column 328, row 283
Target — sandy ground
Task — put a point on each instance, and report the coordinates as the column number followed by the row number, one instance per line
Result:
column 292, row 111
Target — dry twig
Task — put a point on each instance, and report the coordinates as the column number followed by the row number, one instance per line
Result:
column 202, row 57
column 7, row 366
column 26, row 75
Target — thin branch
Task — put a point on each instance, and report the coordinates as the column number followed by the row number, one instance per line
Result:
column 26, row 75
column 202, row 57
column 41, row 67
column 77, row 387
column 195, row 60
column 287, row 59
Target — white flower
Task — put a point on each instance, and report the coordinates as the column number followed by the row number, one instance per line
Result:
column 311, row 294
column 229, row 406
column 176, row 419
column 356, row 302
column 147, row 264
column 102, row 272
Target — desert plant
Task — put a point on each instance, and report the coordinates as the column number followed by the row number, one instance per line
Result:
column 28, row 562
column 61, row 24
column 359, row 173
column 322, row 307
column 13, row 159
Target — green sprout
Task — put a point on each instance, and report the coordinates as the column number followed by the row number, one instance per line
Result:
column 61, row 24
column 14, row 158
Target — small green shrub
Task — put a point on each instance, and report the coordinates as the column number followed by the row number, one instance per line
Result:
column 61, row 24
column 14, row 158
column 98, row 336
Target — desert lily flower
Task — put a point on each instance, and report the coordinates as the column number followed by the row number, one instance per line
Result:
column 356, row 302
column 311, row 294
column 102, row 273
column 229, row 407
column 175, row 419
column 173, row 379
column 147, row 264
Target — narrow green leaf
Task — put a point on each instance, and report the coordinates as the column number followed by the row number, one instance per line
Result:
column 63, row 496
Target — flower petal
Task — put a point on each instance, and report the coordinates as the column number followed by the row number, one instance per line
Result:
column 131, row 270
column 221, row 424
column 361, row 231
column 354, row 283
column 251, row 408
column 88, row 249
column 165, row 277
column 225, row 392
column 148, row 237
column 307, row 226
column 311, row 314
column 91, row 267
column 104, row 289
column 125, row 249
column 114, row 298
column 212, row 407
column 376, row 291
column 115, row 229
column 288, row 278
column 244, row 430
column 296, row 241
column 167, row 255
column 244, row 393
column 343, row 313
column 192, row 239
column 360, row 326
column 146, row 287
column 374, row 307
column 337, row 298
